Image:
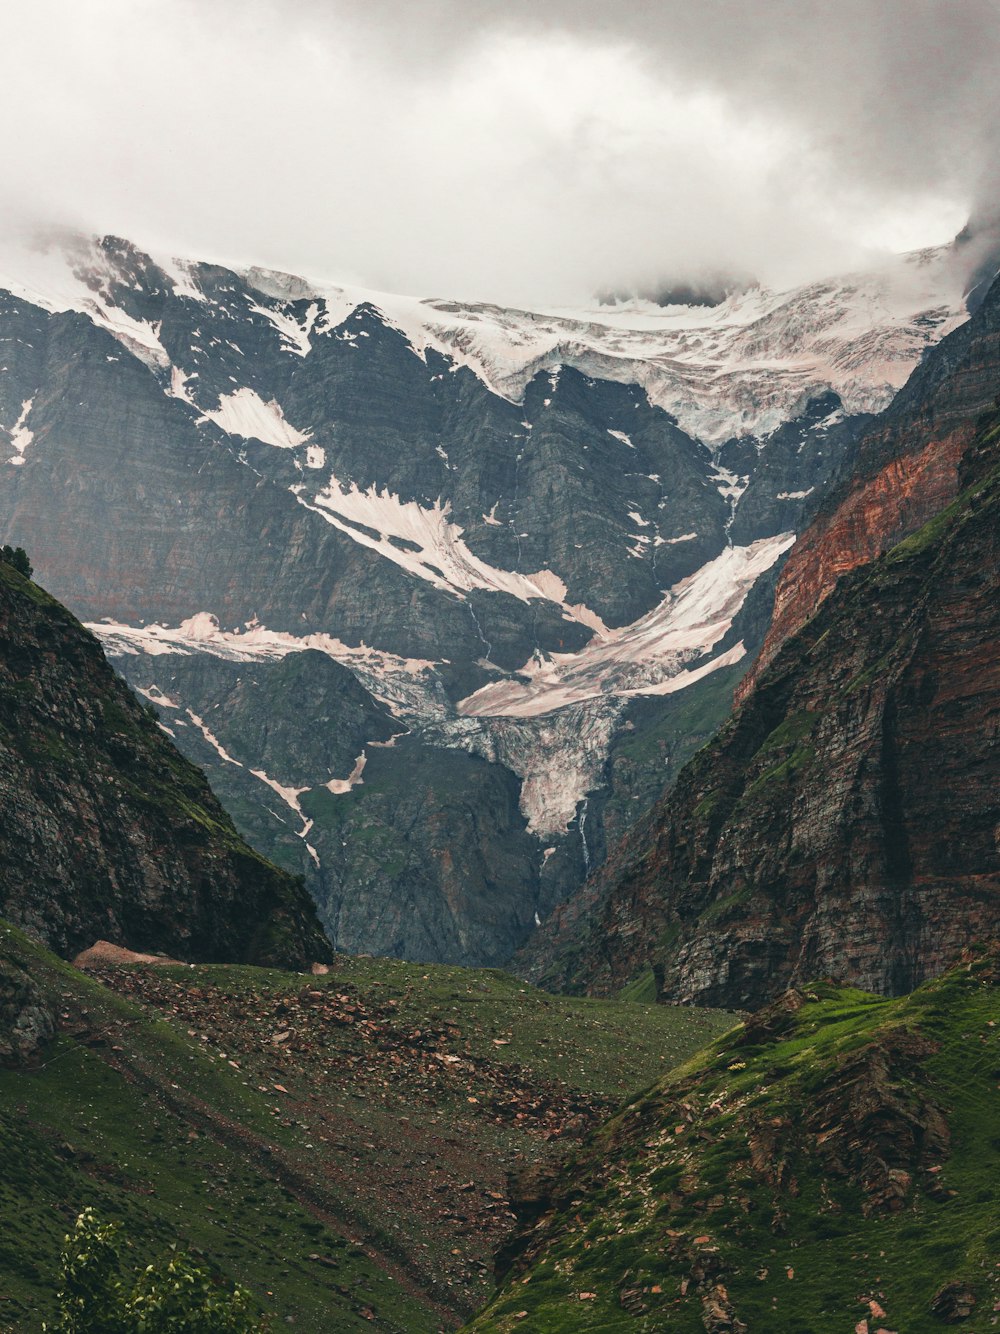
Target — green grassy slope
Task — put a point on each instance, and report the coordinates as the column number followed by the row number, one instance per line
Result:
column 127, row 1115
column 826, row 1168
column 329, row 1171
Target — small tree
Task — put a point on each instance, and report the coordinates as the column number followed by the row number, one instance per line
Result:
column 175, row 1297
column 18, row 557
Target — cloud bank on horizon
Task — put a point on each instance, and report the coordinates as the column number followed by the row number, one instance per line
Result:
column 505, row 151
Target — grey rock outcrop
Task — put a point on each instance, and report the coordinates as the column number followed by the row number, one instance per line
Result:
column 26, row 1019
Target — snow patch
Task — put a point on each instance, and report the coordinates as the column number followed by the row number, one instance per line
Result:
column 20, row 436
column 156, row 696
column 294, row 334
column 202, row 633
column 688, row 677
column 430, row 544
column 178, row 385
column 140, row 337
column 179, row 272
column 728, row 484
column 212, row 740
column 338, row 786
column 315, row 457
column 244, row 413
column 289, row 795
column 639, row 659
column 407, row 686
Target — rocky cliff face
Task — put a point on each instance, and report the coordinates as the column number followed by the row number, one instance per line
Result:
column 106, row 830
column 520, row 532
column 843, row 823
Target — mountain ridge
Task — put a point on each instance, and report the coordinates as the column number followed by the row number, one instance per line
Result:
column 818, row 1167
column 518, row 582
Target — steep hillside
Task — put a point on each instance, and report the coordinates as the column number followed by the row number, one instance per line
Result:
column 827, row 1166
column 842, row 823
column 338, row 1144
column 106, row 831
column 521, row 532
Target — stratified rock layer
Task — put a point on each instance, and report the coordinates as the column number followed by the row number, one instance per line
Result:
column 105, row 830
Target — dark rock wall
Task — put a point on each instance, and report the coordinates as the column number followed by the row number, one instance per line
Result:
column 105, row 830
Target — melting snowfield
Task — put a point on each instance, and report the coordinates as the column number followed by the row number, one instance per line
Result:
column 553, row 722
column 203, row 634
column 650, row 656
column 408, row 686
column 244, row 413
column 20, row 436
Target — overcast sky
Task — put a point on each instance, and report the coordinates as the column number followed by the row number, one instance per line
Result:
column 523, row 151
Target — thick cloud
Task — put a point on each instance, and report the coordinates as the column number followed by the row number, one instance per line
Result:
column 516, row 151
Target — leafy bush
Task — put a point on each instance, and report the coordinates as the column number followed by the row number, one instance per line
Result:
column 173, row 1297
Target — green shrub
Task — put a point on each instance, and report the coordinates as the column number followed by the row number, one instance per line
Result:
column 173, row 1297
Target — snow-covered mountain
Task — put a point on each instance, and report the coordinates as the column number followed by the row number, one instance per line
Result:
column 744, row 366
column 430, row 588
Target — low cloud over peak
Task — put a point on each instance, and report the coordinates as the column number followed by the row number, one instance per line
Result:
column 492, row 151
